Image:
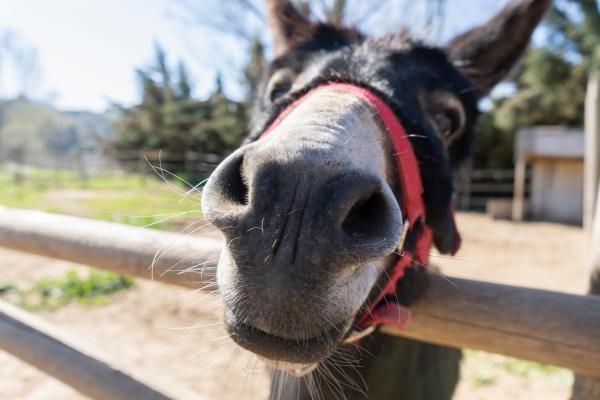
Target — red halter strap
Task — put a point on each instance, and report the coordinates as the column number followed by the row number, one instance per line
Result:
column 413, row 210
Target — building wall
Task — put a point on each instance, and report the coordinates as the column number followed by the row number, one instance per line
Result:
column 557, row 190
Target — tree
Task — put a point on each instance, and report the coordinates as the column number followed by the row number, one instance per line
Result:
column 575, row 29
column 168, row 118
column 549, row 91
column 21, row 58
column 254, row 68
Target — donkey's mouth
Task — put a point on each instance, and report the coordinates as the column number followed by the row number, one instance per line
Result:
column 279, row 349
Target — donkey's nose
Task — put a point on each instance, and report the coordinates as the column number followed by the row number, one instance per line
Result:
column 225, row 195
column 302, row 206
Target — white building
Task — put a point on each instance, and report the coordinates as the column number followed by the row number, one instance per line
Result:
column 555, row 156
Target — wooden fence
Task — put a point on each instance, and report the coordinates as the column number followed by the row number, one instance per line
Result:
column 119, row 248
column 59, row 169
column 475, row 187
column 549, row 327
column 544, row 326
column 55, row 353
column 47, row 170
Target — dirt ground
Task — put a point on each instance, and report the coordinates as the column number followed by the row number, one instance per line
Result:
column 164, row 332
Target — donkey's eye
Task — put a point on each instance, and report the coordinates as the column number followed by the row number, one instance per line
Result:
column 445, row 111
column 447, row 122
column 281, row 82
column 279, row 90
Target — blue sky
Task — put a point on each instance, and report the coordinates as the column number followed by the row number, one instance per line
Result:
column 88, row 50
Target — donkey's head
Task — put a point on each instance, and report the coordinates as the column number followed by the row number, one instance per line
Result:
column 311, row 212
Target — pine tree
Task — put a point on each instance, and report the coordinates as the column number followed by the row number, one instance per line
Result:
column 169, row 119
column 253, row 71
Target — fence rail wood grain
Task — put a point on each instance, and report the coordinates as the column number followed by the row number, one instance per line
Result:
column 55, row 353
column 184, row 260
column 544, row 326
column 538, row 325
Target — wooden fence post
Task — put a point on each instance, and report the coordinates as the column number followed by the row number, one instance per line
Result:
column 464, row 186
column 518, row 206
column 594, row 247
column 142, row 165
column 592, row 149
column 588, row 387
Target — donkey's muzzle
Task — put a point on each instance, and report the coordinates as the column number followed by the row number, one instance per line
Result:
column 298, row 228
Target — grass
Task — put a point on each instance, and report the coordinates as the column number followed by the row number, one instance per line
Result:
column 50, row 294
column 483, row 368
column 124, row 198
column 154, row 211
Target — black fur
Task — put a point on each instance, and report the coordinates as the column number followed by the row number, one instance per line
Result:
column 399, row 71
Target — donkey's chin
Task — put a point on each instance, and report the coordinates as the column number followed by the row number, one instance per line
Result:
column 298, row 355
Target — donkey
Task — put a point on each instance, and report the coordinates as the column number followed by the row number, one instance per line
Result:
column 348, row 168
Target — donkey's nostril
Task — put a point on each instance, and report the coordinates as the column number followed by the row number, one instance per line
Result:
column 234, row 187
column 373, row 225
column 367, row 216
column 226, row 193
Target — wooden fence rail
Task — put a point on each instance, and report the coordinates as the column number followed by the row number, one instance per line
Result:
column 549, row 327
column 43, row 346
column 539, row 325
column 150, row 254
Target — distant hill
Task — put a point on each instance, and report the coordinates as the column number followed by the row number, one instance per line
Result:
column 29, row 128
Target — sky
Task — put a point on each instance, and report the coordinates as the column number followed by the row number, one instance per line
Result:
column 88, row 50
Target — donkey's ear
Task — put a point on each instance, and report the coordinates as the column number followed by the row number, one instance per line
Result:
column 289, row 27
column 487, row 53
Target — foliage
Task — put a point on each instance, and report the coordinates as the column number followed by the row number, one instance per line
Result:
column 550, row 91
column 575, row 29
column 253, row 71
column 50, row 294
column 168, row 118
column 483, row 369
column 494, row 147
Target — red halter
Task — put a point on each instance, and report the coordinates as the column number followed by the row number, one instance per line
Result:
column 381, row 311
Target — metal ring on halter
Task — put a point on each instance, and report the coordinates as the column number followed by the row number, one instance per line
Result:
column 399, row 249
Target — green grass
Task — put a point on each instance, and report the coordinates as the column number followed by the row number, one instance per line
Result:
column 156, row 211
column 129, row 199
column 50, row 294
column 487, row 366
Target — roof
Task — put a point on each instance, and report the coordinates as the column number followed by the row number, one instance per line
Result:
column 550, row 141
